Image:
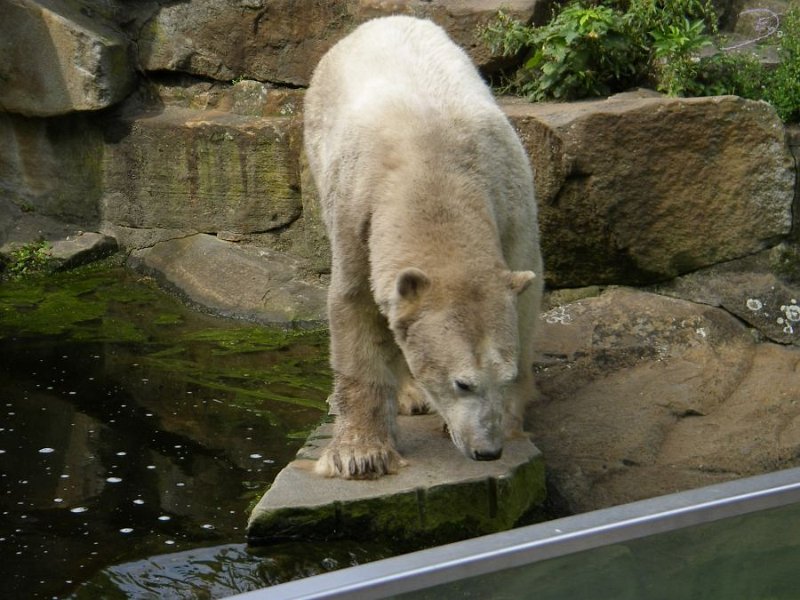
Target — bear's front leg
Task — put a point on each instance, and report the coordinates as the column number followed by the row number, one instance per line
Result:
column 364, row 395
column 363, row 446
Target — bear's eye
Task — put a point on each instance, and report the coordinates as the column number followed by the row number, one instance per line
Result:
column 463, row 386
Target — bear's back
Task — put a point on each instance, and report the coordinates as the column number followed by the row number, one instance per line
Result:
column 399, row 62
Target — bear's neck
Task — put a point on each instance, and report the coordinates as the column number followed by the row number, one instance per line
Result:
column 439, row 222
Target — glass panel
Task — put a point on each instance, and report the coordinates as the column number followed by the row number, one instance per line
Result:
column 752, row 557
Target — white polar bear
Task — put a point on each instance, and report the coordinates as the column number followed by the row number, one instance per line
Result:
column 427, row 196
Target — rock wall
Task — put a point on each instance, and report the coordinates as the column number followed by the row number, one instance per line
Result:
column 58, row 57
column 210, row 140
column 280, row 41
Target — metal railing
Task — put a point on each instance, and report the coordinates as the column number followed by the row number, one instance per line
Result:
column 535, row 543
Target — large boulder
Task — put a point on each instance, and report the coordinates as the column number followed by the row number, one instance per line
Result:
column 643, row 395
column 639, row 187
column 238, row 281
column 58, row 57
column 281, row 41
column 189, row 171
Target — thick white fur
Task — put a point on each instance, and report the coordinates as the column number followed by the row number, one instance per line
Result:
column 427, row 196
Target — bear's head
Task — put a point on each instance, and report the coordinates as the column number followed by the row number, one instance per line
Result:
column 459, row 337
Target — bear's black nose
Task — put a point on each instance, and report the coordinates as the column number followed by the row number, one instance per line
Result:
column 487, row 454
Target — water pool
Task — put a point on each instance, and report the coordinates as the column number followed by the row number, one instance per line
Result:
column 134, row 436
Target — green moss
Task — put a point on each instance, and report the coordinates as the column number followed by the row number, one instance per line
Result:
column 411, row 520
column 252, row 366
column 293, row 523
column 74, row 305
column 258, row 339
column 168, row 319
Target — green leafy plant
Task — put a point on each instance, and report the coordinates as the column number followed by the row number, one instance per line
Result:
column 30, row 259
column 742, row 74
column 675, row 55
column 593, row 50
column 584, row 51
column 781, row 87
column 654, row 15
column 608, row 46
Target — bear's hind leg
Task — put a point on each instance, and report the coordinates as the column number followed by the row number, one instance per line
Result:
column 410, row 397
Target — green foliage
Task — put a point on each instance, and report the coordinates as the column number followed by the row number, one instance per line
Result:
column 674, row 50
column 660, row 15
column 605, row 47
column 723, row 73
column 743, row 75
column 584, row 51
column 30, row 259
column 782, row 86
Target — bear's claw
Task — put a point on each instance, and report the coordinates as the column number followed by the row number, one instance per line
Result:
column 351, row 461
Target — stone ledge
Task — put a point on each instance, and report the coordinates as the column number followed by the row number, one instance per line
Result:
column 255, row 284
column 82, row 248
column 440, row 496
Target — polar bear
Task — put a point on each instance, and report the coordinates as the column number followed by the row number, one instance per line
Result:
column 428, row 200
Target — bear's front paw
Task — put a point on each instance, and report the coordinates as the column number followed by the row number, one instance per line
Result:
column 358, row 461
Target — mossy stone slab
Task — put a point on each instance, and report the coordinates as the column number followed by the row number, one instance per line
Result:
column 440, row 496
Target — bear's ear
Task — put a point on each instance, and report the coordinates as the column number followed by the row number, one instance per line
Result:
column 518, row 281
column 411, row 283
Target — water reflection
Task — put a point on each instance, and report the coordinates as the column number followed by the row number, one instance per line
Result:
column 221, row 571
column 114, row 452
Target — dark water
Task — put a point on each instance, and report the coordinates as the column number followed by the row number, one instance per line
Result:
column 136, row 434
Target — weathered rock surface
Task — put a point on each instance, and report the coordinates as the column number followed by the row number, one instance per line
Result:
column 624, row 184
column 18, row 228
column 793, row 138
column 440, row 496
column 753, row 18
column 201, row 171
column 52, row 167
column 82, row 248
column 750, row 289
column 56, row 58
column 282, row 40
column 245, row 97
column 644, row 395
column 70, row 246
column 232, row 280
